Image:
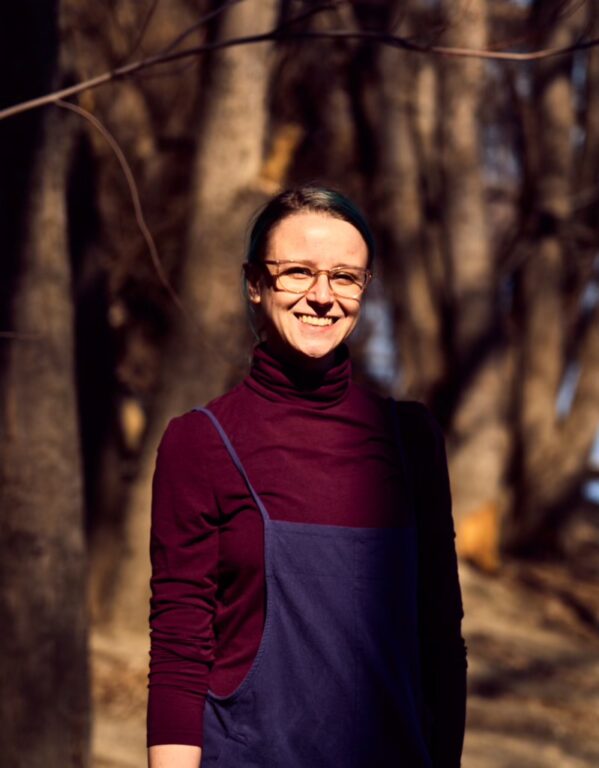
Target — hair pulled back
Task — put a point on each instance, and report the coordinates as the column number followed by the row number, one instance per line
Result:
column 304, row 199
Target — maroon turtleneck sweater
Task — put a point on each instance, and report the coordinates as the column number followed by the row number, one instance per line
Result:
column 318, row 450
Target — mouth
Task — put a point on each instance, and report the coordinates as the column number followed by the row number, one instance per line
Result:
column 321, row 322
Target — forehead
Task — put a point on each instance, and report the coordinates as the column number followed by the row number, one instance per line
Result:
column 319, row 239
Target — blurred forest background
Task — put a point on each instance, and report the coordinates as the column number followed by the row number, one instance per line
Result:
column 480, row 176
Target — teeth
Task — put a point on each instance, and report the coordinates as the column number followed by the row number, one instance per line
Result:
column 313, row 320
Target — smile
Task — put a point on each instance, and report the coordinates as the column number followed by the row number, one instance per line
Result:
column 315, row 320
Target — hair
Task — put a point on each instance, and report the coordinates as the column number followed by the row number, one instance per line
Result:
column 304, row 199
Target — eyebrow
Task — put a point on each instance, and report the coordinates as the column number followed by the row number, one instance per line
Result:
column 312, row 263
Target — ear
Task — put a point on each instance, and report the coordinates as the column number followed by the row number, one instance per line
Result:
column 253, row 277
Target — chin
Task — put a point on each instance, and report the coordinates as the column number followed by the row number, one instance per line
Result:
column 300, row 351
column 316, row 348
column 316, row 351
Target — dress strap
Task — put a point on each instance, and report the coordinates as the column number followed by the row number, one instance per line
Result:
column 235, row 459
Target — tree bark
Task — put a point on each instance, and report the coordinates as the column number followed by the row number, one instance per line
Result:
column 586, row 195
column 403, row 148
column 44, row 708
column 207, row 355
column 479, row 439
column 553, row 451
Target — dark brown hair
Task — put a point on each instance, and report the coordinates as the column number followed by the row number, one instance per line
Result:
column 305, row 199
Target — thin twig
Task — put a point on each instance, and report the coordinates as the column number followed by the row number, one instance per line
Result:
column 304, row 16
column 276, row 35
column 313, row 11
column 16, row 336
column 135, row 199
column 143, row 29
column 181, row 37
column 197, row 24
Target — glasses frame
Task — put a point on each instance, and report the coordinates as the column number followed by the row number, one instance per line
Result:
column 315, row 275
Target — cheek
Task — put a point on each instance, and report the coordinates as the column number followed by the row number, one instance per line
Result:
column 353, row 310
column 269, row 308
column 266, row 305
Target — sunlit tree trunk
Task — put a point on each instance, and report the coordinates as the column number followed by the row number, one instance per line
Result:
column 553, row 449
column 207, row 353
column 44, row 708
column 408, row 249
column 588, row 172
column 152, row 117
column 332, row 98
column 479, row 438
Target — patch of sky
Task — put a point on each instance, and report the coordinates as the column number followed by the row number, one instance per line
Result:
column 567, row 390
column 381, row 360
column 578, row 136
column 594, row 455
column 579, row 72
column 500, row 165
column 590, row 295
column 590, row 491
column 523, row 82
column 506, row 293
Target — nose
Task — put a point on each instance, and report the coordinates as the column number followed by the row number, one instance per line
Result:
column 321, row 290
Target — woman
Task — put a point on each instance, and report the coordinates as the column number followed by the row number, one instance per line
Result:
column 306, row 608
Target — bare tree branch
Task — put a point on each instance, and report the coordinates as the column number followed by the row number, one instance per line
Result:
column 135, row 199
column 280, row 36
column 199, row 23
column 15, row 336
column 143, row 29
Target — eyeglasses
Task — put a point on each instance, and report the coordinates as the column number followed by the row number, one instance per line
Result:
column 296, row 277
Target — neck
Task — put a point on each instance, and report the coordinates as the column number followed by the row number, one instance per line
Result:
column 311, row 366
column 284, row 380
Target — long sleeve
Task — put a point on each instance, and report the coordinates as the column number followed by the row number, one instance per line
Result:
column 184, row 555
column 443, row 650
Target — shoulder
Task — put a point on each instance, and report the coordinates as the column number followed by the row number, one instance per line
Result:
column 185, row 438
column 418, row 426
column 418, row 417
column 421, row 430
column 229, row 401
column 415, row 417
column 193, row 431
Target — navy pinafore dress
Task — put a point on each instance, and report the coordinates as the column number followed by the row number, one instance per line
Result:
column 336, row 679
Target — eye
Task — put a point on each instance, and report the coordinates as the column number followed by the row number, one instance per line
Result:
column 347, row 277
column 297, row 271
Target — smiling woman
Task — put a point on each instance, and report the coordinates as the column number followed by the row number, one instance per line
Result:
column 305, row 602
column 310, row 288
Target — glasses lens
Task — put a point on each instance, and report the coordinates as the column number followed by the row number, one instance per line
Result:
column 296, row 278
column 348, row 282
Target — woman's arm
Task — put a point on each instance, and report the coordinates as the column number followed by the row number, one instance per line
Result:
column 443, row 651
column 184, row 554
column 174, row 756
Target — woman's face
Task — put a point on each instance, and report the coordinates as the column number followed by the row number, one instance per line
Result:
column 306, row 328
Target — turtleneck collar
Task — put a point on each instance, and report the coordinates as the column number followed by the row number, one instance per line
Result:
column 277, row 381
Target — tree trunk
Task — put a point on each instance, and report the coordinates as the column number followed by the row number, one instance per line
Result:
column 120, row 304
column 207, row 355
column 479, row 439
column 403, row 146
column 586, row 194
column 44, row 710
column 589, row 170
column 553, row 454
